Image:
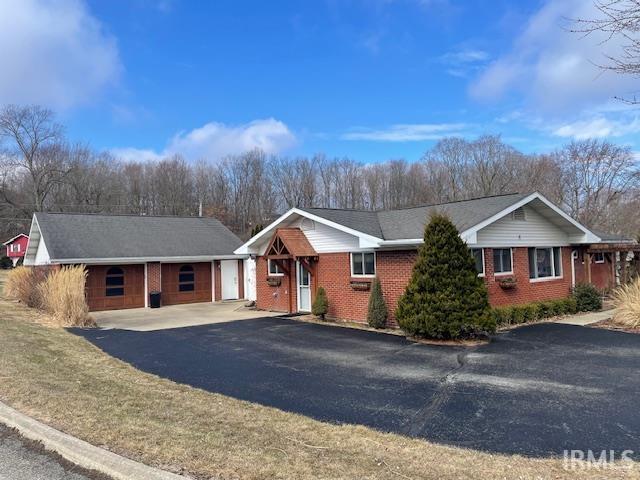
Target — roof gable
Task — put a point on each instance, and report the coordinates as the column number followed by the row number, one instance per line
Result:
column 11, row 240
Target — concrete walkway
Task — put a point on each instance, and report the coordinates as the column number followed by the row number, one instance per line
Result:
column 177, row 316
column 583, row 319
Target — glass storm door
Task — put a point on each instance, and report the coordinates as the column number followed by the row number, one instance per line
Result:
column 304, row 288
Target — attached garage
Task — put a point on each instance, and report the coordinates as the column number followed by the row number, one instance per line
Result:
column 186, row 283
column 130, row 257
column 113, row 287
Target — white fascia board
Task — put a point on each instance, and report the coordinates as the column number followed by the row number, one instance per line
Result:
column 14, row 238
column 365, row 240
column 35, row 232
column 589, row 236
column 127, row 260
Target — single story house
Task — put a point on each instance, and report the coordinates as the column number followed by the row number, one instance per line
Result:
column 526, row 249
column 128, row 257
column 16, row 247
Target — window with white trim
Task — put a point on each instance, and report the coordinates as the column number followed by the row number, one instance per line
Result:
column 275, row 269
column 363, row 264
column 15, row 248
column 545, row 262
column 478, row 256
column 598, row 257
column 502, row 261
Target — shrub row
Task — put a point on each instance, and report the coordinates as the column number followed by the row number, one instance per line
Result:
column 531, row 312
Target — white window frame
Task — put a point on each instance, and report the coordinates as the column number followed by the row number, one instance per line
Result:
column 364, row 275
column 553, row 265
column 499, row 274
column 278, row 268
column 484, row 268
column 595, row 258
column 15, row 248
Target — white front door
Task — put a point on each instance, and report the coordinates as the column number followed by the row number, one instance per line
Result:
column 229, row 276
column 304, row 288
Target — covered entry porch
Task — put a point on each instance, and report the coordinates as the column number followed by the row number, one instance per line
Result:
column 291, row 271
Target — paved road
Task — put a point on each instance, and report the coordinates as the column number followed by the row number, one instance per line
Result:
column 21, row 459
column 535, row 390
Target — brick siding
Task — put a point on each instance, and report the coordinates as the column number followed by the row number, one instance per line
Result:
column 153, row 277
column 394, row 268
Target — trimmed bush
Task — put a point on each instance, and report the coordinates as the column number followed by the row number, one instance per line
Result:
column 588, row 298
column 377, row 313
column 445, row 298
column 627, row 302
column 320, row 305
column 63, row 297
column 531, row 312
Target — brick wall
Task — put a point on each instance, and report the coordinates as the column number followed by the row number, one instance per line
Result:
column 276, row 298
column 394, row 268
column 525, row 290
column 153, row 277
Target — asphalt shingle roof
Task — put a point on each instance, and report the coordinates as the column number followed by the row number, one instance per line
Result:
column 408, row 223
column 80, row 236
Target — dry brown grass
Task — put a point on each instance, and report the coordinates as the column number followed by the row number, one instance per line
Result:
column 626, row 300
column 63, row 298
column 22, row 285
column 65, row 381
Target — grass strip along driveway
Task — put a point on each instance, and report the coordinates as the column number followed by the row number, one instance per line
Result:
column 63, row 380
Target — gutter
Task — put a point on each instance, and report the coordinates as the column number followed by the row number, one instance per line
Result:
column 121, row 260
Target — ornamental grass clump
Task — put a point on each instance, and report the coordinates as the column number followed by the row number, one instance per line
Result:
column 445, row 298
column 626, row 299
column 63, row 297
column 23, row 285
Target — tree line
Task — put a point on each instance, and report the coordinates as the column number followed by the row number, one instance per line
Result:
column 595, row 181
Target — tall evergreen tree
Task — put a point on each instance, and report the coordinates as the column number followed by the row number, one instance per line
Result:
column 445, row 298
column 377, row 312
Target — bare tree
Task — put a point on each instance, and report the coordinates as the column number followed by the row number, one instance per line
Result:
column 596, row 175
column 33, row 142
column 619, row 19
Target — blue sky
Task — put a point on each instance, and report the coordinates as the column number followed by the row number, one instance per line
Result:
column 368, row 79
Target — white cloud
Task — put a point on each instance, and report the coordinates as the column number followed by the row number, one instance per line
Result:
column 408, row 132
column 213, row 141
column 552, row 68
column 54, row 52
column 597, row 127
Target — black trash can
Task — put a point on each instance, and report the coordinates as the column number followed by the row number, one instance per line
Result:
column 154, row 299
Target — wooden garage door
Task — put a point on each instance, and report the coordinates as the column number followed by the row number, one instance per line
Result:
column 112, row 287
column 186, row 283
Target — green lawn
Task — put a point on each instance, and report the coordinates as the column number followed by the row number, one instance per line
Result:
column 66, row 382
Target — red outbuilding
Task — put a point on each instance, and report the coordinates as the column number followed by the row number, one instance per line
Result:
column 16, row 247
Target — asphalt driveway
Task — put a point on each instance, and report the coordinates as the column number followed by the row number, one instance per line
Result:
column 535, row 390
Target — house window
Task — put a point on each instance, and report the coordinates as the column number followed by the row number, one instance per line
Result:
column 186, row 279
column 15, row 248
column 545, row 262
column 115, row 282
column 363, row 264
column 478, row 256
column 275, row 269
column 598, row 257
column 502, row 261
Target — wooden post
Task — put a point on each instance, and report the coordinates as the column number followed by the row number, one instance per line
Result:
column 587, row 261
column 623, row 266
column 614, row 279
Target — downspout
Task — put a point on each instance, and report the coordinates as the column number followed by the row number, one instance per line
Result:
column 574, row 256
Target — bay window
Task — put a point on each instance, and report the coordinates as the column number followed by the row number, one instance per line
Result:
column 545, row 262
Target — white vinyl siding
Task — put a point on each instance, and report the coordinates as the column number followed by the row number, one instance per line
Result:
column 325, row 239
column 42, row 254
column 534, row 231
